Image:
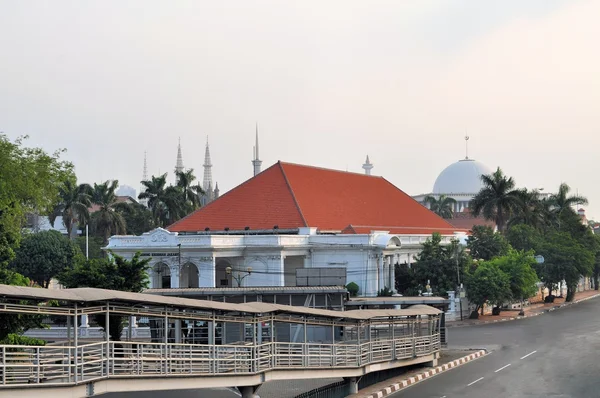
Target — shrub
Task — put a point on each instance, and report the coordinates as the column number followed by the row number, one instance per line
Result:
column 353, row 289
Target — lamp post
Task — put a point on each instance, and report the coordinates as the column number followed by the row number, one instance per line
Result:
column 239, row 278
column 460, row 292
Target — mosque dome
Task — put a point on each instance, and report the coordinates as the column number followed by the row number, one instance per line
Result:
column 463, row 176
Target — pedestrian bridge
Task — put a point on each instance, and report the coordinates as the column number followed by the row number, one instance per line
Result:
column 205, row 344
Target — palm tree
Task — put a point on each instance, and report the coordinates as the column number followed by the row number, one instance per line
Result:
column 166, row 203
column 442, row 206
column 73, row 204
column 497, row 199
column 561, row 203
column 107, row 221
column 191, row 193
column 529, row 209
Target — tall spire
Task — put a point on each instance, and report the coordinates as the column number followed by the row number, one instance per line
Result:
column 367, row 166
column 466, row 147
column 256, row 162
column 207, row 181
column 179, row 164
column 144, row 178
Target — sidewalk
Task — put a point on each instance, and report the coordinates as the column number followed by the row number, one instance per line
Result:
column 531, row 310
column 450, row 359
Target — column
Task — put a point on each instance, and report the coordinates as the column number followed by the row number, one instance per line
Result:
column 392, row 273
column 206, row 271
column 380, row 272
column 175, row 271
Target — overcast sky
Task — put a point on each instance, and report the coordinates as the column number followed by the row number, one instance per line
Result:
column 327, row 81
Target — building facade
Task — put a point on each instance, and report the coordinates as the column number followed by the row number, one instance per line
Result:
column 287, row 218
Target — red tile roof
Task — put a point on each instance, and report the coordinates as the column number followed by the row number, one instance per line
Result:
column 292, row 196
column 466, row 221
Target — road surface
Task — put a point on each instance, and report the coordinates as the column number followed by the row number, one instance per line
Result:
column 552, row 355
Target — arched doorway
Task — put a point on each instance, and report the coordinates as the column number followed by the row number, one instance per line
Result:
column 222, row 278
column 162, row 276
column 189, row 276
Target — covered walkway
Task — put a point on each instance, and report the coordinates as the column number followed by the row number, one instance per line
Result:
column 198, row 343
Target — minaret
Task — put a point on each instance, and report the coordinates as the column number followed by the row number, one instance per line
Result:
column 207, row 181
column 144, row 178
column 367, row 166
column 216, row 192
column 179, row 164
column 256, row 162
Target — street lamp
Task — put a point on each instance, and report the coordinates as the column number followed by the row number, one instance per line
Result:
column 239, row 278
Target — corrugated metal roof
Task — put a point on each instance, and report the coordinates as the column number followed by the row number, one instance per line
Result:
column 88, row 295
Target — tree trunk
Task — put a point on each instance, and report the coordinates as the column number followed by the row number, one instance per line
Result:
column 570, row 293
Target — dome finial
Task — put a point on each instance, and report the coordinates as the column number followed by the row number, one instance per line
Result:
column 466, row 147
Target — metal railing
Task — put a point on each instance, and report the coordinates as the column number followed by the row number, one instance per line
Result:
column 27, row 365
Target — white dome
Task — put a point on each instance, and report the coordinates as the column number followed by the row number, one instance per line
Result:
column 463, row 176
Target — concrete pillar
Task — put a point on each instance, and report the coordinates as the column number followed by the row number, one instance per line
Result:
column 352, row 384
column 174, row 276
column 451, row 294
column 84, row 321
column 249, row 391
column 380, row 273
column 206, row 272
column 177, row 330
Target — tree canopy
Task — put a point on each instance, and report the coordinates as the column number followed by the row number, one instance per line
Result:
column 496, row 199
column 519, row 266
column 115, row 273
column 441, row 206
column 44, row 255
column 488, row 284
column 486, row 244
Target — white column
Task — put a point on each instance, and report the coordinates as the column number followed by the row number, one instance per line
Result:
column 206, row 272
column 174, row 275
column 84, row 321
column 381, row 273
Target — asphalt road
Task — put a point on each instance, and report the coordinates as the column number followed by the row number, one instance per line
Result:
column 552, row 355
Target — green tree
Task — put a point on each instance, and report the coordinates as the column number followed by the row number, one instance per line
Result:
column 520, row 268
column 73, row 205
column 114, row 273
column 437, row 263
column 487, row 284
column 562, row 203
column 532, row 210
column 107, row 221
column 44, row 255
column 565, row 259
column 95, row 244
column 442, row 206
column 486, row 244
column 524, row 237
column 138, row 218
column 190, row 192
column 497, row 199
column 165, row 202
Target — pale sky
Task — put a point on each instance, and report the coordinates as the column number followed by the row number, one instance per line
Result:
column 328, row 82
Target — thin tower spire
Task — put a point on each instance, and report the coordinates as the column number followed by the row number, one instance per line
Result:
column 207, row 180
column 466, row 147
column 256, row 162
column 179, row 164
column 144, row 178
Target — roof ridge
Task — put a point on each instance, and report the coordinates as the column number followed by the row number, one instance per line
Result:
column 328, row 169
column 287, row 182
column 222, row 196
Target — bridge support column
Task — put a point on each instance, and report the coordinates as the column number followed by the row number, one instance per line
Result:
column 249, row 391
column 352, row 384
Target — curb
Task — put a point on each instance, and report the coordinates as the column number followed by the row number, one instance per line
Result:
column 425, row 375
column 450, row 325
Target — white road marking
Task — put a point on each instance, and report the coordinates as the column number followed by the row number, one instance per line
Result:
column 504, row 367
column 531, row 353
column 470, row 384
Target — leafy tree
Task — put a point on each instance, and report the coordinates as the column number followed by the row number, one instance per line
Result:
column 520, row 268
column 166, row 203
column 44, row 255
column 385, row 292
column 487, row 284
column 531, row 210
column 107, row 221
column 73, row 205
column 497, row 199
column 405, row 280
column 486, row 244
column 524, row 237
column 353, row 289
column 95, row 244
column 442, row 206
column 138, row 218
column 114, row 273
column 438, row 264
column 565, row 259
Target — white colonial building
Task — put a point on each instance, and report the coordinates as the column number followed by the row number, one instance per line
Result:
column 289, row 223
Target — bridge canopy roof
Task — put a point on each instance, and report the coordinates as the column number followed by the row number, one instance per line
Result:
column 92, row 295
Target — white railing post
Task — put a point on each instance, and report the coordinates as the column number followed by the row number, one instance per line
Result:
column 37, row 361
column 3, row 365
